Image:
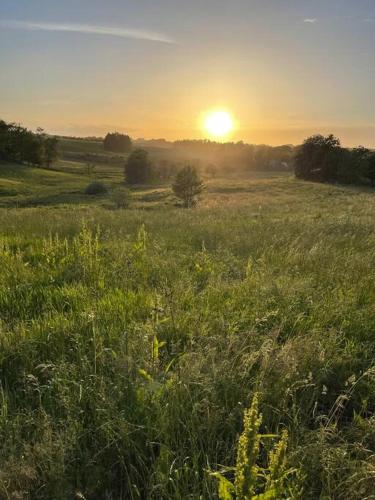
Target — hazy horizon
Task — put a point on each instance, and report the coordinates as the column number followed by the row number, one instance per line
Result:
column 283, row 69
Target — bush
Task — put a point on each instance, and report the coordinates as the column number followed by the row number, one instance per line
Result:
column 138, row 167
column 95, row 188
column 121, row 197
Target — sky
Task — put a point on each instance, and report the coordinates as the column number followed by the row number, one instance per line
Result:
column 284, row 69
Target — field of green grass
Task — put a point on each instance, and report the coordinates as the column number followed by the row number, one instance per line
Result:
column 132, row 340
column 80, row 146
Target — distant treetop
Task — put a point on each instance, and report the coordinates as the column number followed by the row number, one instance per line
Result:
column 117, row 143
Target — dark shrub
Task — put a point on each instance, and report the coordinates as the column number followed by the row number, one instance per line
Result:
column 95, row 188
column 138, row 168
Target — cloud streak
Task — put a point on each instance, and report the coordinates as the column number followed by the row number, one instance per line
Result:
column 89, row 29
column 310, row 20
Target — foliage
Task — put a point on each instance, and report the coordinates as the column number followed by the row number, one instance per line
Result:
column 368, row 167
column 50, row 150
column 121, row 197
column 235, row 156
column 246, row 476
column 117, row 143
column 23, row 146
column 138, row 167
column 187, row 186
column 95, row 187
column 317, row 159
column 323, row 159
column 274, row 481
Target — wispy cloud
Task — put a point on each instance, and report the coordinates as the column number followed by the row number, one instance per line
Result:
column 88, row 29
column 369, row 20
column 310, row 20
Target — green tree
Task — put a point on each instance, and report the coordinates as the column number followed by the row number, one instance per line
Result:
column 368, row 167
column 138, row 167
column 318, row 158
column 188, row 186
column 50, row 150
column 118, row 143
column 32, row 148
column 121, row 197
column 4, row 138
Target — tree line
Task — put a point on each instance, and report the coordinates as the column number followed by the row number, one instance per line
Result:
column 323, row 159
column 117, row 143
column 235, row 155
column 20, row 145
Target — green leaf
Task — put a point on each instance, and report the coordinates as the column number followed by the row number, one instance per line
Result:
column 226, row 488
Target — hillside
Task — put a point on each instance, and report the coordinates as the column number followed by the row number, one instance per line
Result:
column 132, row 340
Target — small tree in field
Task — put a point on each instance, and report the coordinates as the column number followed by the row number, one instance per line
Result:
column 138, row 167
column 187, row 186
column 121, row 197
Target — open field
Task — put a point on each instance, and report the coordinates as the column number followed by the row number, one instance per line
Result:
column 71, row 145
column 132, row 340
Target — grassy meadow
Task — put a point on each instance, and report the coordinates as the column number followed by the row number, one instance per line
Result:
column 133, row 340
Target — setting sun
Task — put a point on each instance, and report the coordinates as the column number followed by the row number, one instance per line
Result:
column 218, row 123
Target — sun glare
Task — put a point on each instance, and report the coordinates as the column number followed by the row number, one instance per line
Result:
column 218, row 123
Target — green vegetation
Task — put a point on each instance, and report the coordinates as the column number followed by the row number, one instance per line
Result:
column 323, row 159
column 133, row 341
column 274, row 480
column 20, row 145
column 96, row 188
column 188, row 186
column 121, row 197
column 75, row 145
column 138, row 168
column 119, row 143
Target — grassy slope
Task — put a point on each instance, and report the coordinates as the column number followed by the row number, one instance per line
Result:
column 80, row 146
column 269, row 284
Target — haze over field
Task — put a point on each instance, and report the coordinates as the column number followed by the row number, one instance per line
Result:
column 282, row 69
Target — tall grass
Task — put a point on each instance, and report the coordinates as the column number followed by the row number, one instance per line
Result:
column 131, row 341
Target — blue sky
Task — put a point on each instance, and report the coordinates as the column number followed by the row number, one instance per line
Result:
column 283, row 68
